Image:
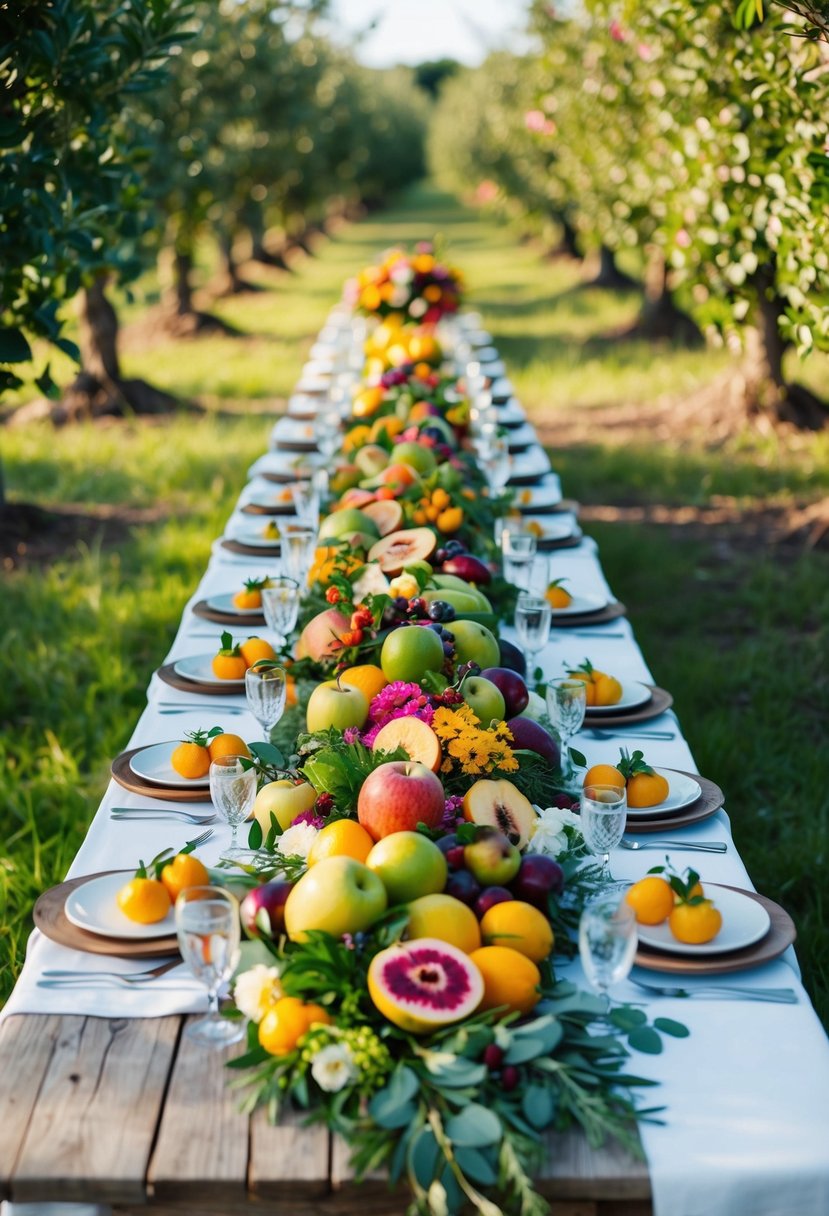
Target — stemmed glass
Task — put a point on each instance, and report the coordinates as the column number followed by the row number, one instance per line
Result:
column 566, row 705
column 306, row 503
column 532, row 623
column 298, row 545
column 607, row 942
column 517, row 552
column 495, row 461
column 207, row 925
column 233, row 793
column 329, row 433
column 280, row 604
column 266, row 690
column 603, row 816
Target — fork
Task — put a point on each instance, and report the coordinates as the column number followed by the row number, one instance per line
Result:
column 67, row 978
column 594, row 633
column 778, row 996
column 127, row 812
column 596, row 732
column 172, row 707
column 701, row 846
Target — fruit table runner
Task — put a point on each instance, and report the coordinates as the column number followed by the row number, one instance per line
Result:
column 746, row 1096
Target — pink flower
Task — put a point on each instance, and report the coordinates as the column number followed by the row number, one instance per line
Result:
column 537, row 120
column 683, row 239
column 316, row 821
column 453, row 812
column 351, row 734
column 616, row 31
column 487, row 191
column 644, row 52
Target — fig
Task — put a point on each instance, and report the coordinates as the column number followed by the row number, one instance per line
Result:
column 501, row 805
column 400, row 549
column 424, row 984
column 538, row 878
column 489, row 897
column 529, row 736
column 469, row 568
column 511, row 687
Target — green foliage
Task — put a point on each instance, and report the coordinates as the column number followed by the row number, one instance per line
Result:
column 70, row 196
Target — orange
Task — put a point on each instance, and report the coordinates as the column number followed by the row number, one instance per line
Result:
column 251, row 595
column 144, row 900
column 255, row 649
column 286, row 1022
column 519, row 926
column 342, row 838
column 368, row 677
column 604, row 774
column 557, row 597
column 651, row 899
column 356, row 437
column 392, row 425
column 647, row 789
column 695, row 924
column 229, row 666
column 368, row 401
column 602, row 689
column 191, row 760
column 185, row 870
column 227, row 744
column 510, row 979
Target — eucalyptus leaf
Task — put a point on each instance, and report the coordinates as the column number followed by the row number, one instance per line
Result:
column 538, row 1105
column 669, row 1026
column 628, row 1018
column 477, row 1166
column 645, row 1039
column 424, row 1157
column 475, row 1127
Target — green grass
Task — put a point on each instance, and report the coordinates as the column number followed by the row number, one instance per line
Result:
column 737, row 630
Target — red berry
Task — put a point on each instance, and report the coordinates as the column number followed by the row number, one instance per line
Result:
column 493, row 1055
column 333, row 596
column 510, row 1078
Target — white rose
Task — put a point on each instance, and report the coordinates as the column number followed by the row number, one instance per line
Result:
column 549, row 835
column 333, row 1067
column 256, row 990
column 296, row 840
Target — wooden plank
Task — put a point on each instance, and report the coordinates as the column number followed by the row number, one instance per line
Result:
column 201, row 1154
column 27, row 1044
column 371, row 1196
column 573, row 1170
column 94, row 1122
column 288, row 1161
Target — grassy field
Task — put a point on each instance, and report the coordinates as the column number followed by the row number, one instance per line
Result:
column 733, row 624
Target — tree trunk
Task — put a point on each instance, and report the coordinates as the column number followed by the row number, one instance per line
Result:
column 568, row 245
column 181, row 317
column 182, row 289
column 609, row 275
column 766, row 390
column 99, row 333
column 661, row 317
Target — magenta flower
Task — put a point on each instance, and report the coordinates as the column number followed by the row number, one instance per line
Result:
column 310, row 817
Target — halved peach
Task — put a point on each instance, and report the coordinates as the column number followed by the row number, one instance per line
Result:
column 415, row 737
column 501, row 805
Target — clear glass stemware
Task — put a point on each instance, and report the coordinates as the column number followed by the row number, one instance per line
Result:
column 266, row 689
column 607, row 942
column 603, row 816
column 233, row 793
column 280, row 604
column 566, row 705
column 207, row 925
column 518, row 550
column 532, row 624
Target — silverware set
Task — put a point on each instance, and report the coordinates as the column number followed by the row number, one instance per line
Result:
column 170, row 707
column 688, row 846
column 116, row 979
column 122, row 813
column 776, row 996
column 602, row 732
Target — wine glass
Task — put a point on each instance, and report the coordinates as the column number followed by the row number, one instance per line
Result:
column 207, row 925
column 329, row 431
column 266, row 690
column 496, row 463
column 532, row 624
column 306, row 503
column 298, row 545
column 603, row 816
column 566, row 705
column 233, row 793
column 517, row 552
column 280, row 604
column 607, row 942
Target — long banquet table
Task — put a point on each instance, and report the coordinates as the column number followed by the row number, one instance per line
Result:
column 103, row 1101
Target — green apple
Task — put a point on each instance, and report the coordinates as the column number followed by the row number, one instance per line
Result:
column 337, row 705
column 410, row 651
column 286, row 800
column 484, row 698
column 474, row 643
column 337, row 895
column 461, row 601
column 417, row 456
column 418, row 567
column 371, row 459
column 345, row 521
column 409, row 865
column 536, row 707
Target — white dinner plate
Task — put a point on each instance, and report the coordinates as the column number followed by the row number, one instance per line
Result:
column 633, row 695
column 511, row 414
column 199, row 669
column 683, row 791
column 534, row 462
column 582, row 603
column 519, row 438
column 282, row 464
column 293, row 430
column 254, row 537
column 93, row 906
column 551, row 527
column 152, row 763
column 545, row 493
column 224, row 603
column 501, row 389
column 744, row 922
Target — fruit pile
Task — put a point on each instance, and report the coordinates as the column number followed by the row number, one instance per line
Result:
column 412, row 286
column 680, row 900
column 150, row 894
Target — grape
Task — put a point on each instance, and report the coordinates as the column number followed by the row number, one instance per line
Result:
column 454, row 548
column 401, row 603
column 448, row 649
column 449, row 613
column 440, row 556
column 437, row 610
column 417, row 606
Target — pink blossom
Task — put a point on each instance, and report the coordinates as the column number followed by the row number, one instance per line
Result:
column 310, row 817
column 644, row 52
column 537, row 120
column 683, row 239
column 616, row 31
column 487, row 191
column 452, row 813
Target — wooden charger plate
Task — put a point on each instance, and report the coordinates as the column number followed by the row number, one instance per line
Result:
column 601, row 616
column 659, row 702
column 262, row 551
column 50, row 917
column 564, row 542
column 282, row 508
column 295, row 445
column 227, row 618
column 170, row 676
column 780, row 936
column 709, row 802
column 553, row 508
column 123, row 774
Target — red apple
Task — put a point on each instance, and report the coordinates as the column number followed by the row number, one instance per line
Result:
column 262, row 911
column 399, row 795
column 511, row 687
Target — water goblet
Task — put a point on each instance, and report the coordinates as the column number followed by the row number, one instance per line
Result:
column 518, row 550
column 207, row 925
column 233, row 793
column 298, row 545
column 329, row 431
column 280, row 604
column 266, row 690
column 496, row 463
column 532, row 624
column 306, row 503
column 607, row 942
column 566, row 705
column 603, row 816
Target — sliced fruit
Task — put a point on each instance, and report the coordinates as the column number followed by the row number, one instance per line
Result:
column 501, row 805
column 387, row 516
column 321, row 636
column 511, row 980
column 345, row 522
column 417, row 739
column 370, row 581
column 423, row 985
column 399, row 549
column 446, row 918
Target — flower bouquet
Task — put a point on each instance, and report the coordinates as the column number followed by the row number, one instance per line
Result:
column 416, row 285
